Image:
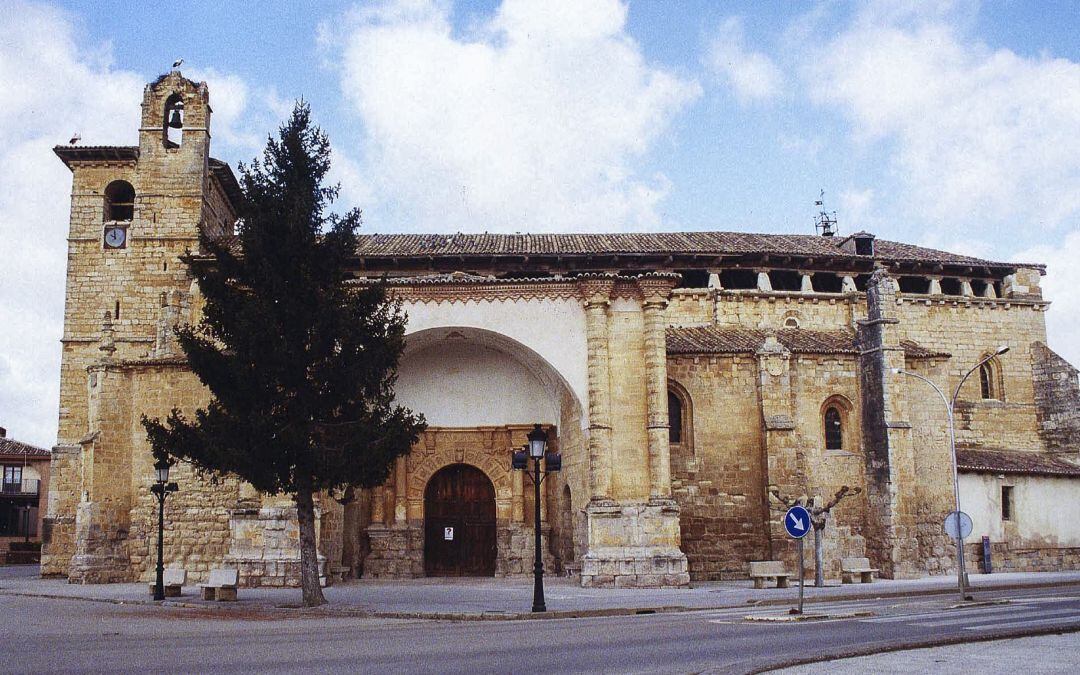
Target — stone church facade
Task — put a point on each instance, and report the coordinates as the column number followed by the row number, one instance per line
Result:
column 683, row 376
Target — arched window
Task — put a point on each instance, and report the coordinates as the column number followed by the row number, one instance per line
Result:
column 681, row 431
column 675, row 417
column 838, row 431
column 172, row 123
column 834, row 429
column 119, row 201
column 990, row 384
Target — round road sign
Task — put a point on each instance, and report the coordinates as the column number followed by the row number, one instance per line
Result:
column 965, row 524
column 797, row 522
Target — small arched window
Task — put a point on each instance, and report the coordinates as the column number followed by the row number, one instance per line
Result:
column 172, row 123
column 834, row 429
column 119, row 201
column 990, row 385
column 675, row 417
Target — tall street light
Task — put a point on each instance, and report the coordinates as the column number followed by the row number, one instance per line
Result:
column 537, row 449
column 950, row 404
column 161, row 489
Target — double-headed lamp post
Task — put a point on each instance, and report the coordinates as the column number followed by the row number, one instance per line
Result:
column 950, row 404
column 161, row 489
column 537, row 449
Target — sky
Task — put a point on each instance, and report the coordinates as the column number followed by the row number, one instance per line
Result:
column 954, row 125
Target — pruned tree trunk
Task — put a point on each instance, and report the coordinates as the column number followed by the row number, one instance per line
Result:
column 819, row 556
column 309, row 557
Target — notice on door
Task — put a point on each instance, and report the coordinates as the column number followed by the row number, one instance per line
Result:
column 448, row 533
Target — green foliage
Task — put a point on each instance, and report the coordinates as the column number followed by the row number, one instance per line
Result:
column 301, row 364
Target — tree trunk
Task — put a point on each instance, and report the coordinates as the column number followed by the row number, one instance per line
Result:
column 309, row 560
column 819, row 544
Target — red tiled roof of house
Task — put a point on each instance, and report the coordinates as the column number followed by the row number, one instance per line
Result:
column 1014, row 462
column 10, row 447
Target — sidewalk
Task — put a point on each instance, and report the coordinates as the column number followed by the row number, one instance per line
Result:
column 1029, row 655
column 483, row 598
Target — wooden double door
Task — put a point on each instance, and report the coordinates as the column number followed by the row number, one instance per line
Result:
column 459, row 523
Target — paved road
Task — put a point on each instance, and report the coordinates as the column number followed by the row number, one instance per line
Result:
column 50, row 635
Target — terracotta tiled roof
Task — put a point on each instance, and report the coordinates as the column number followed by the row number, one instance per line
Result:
column 704, row 243
column 913, row 350
column 96, row 153
column 224, row 173
column 716, row 244
column 10, row 446
column 1015, row 462
column 715, row 340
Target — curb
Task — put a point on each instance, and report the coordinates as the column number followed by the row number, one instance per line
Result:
column 361, row 612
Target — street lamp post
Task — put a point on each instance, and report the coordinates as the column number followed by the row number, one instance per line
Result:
column 161, row 489
column 950, row 404
column 536, row 448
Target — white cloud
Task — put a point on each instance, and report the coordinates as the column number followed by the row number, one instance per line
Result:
column 983, row 138
column 535, row 121
column 1060, row 287
column 54, row 86
column 752, row 75
column 858, row 209
column 242, row 118
column 52, row 89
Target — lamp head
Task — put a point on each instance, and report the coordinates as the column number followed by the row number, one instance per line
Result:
column 1001, row 350
column 897, row 371
column 161, row 470
column 537, row 442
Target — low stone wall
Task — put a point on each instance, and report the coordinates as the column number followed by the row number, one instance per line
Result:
column 397, row 552
column 1004, row 558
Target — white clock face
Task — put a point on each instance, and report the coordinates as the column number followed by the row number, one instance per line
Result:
column 115, row 237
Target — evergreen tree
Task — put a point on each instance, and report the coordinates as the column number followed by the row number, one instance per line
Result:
column 300, row 365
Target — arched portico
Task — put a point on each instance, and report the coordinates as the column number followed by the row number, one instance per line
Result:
column 481, row 392
column 485, row 358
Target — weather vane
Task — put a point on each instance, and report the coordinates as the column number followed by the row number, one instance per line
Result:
column 824, row 222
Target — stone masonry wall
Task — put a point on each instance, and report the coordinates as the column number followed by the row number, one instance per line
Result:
column 717, row 475
column 1057, row 400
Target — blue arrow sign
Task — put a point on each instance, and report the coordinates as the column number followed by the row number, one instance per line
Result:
column 797, row 522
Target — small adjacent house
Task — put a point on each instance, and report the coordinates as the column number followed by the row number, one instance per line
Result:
column 22, row 499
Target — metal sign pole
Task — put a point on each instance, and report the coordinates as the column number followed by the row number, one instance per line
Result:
column 800, row 575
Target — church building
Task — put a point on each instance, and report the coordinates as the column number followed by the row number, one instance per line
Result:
column 683, row 376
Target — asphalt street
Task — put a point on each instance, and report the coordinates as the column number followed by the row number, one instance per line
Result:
column 59, row 635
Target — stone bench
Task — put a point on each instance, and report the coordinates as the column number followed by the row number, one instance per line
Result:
column 769, row 569
column 849, row 567
column 173, row 581
column 337, row 573
column 571, row 569
column 221, row 585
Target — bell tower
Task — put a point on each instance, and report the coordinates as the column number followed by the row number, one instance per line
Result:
column 174, row 155
column 135, row 212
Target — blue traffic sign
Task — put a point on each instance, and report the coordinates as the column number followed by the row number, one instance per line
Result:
column 797, row 522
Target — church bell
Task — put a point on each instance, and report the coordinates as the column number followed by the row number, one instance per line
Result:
column 174, row 120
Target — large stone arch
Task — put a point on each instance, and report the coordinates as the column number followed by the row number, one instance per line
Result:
column 547, row 331
column 535, row 373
